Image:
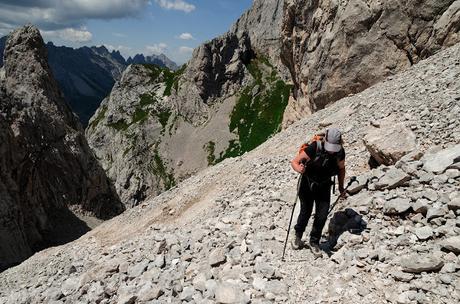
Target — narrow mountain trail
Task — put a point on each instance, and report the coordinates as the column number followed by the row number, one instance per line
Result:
column 218, row 236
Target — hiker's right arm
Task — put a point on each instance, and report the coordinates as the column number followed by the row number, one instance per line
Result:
column 298, row 163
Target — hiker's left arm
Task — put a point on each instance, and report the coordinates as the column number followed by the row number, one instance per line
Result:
column 341, row 176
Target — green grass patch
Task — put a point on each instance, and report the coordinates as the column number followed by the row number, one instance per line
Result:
column 210, row 147
column 163, row 117
column 99, row 117
column 256, row 72
column 147, row 99
column 154, row 71
column 171, row 79
column 158, row 168
column 139, row 116
column 255, row 118
column 120, row 125
column 233, row 150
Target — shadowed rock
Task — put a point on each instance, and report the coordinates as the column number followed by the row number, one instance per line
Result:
column 48, row 173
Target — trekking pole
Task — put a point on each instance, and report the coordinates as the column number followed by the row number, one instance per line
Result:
column 352, row 180
column 292, row 215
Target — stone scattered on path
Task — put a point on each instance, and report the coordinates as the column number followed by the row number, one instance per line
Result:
column 396, row 206
column 227, row 293
column 217, row 257
column 393, row 178
column 416, row 263
column 452, row 244
column 438, row 162
column 424, row 233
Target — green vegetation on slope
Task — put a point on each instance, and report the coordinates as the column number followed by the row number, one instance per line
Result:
column 259, row 110
column 162, row 114
column 172, row 80
column 143, row 110
column 154, row 71
column 99, row 117
column 120, row 125
column 141, row 114
column 158, row 168
column 211, row 148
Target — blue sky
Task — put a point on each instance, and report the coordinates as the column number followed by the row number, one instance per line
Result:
column 173, row 27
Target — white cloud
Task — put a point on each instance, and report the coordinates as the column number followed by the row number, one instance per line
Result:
column 69, row 34
column 185, row 50
column 179, row 5
column 186, row 36
column 121, row 48
column 59, row 15
column 157, row 48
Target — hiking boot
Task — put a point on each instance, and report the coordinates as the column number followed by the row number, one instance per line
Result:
column 314, row 247
column 296, row 242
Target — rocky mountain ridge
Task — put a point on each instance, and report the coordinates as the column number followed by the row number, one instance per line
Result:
column 86, row 75
column 218, row 236
column 50, row 179
column 147, row 141
column 160, row 60
column 244, row 86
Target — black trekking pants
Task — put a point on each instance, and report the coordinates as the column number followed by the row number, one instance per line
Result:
column 320, row 195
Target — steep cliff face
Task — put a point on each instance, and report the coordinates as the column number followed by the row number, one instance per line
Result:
column 337, row 48
column 48, row 173
column 126, row 132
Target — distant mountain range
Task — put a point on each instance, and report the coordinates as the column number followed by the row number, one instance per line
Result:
column 86, row 75
column 160, row 60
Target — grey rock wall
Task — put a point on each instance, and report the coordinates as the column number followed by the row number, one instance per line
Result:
column 336, row 48
column 49, row 174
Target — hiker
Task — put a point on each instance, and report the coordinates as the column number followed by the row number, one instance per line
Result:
column 318, row 162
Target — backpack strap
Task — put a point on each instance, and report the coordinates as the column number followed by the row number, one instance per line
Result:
column 319, row 149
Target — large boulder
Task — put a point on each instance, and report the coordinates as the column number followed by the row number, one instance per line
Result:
column 418, row 263
column 389, row 142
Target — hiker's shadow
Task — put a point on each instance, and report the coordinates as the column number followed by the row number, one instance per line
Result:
column 342, row 221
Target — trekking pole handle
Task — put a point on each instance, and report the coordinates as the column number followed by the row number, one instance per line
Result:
column 352, row 180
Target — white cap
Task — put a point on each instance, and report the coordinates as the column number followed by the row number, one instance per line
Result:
column 333, row 140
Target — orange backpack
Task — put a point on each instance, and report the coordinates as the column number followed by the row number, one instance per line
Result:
column 319, row 138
